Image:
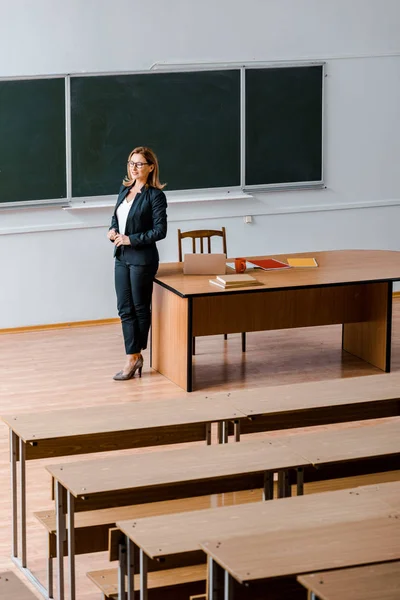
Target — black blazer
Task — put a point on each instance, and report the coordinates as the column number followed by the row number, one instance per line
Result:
column 145, row 225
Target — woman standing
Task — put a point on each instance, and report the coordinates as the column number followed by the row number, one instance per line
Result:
column 138, row 222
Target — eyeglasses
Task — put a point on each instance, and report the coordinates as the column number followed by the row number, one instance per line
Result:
column 139, row 165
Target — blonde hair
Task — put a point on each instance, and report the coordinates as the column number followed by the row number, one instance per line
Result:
column 153, row 177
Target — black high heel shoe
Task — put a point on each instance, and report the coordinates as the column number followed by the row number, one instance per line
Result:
column 121, row 376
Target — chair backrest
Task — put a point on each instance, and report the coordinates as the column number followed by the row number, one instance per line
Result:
column 201, row 235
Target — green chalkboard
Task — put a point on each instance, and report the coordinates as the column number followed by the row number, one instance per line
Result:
column 32, row 140
column 283, row 125
column 190, row 119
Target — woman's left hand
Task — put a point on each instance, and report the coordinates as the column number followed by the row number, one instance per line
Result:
column 121, row 240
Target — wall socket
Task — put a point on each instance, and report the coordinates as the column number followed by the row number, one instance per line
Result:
column 248, row 219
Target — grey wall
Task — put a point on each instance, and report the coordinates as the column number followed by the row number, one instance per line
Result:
column 56, row 265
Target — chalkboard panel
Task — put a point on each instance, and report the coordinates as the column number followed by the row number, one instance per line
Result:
column 190, row 119
column 32, row 140
column 283, row 125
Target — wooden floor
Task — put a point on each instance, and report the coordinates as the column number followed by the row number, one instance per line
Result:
column 54, row 369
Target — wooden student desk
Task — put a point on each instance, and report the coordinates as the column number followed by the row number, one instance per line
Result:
column 98, row 429
column 156, row 476
column 316, row 402
column 351, row 287
column 176, row 536
column 360, row 583
column 259, row 559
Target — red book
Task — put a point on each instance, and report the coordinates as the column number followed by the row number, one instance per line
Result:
column 269, row 264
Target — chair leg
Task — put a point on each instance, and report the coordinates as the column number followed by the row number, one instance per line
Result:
column 225, row 336
column 243, row 341
column 193, row 346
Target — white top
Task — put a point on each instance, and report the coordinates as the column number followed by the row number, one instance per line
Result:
column 122, row 215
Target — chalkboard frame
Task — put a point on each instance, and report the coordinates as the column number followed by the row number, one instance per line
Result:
column 242, row 190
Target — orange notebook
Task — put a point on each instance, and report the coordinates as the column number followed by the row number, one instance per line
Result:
column 269, row 264
column 302, row 262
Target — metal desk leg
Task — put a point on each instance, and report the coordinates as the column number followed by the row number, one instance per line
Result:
column 284, row 489
column 268, row 491
column 71, row 544
column 215, row 580
column 143, row 575
column 208, row 434
column 50, row 577
column 300, row 481
column 130, row 562
column 223, row 432
column 228, row 588
column 121, row 571
column 17, row 452
column 60, row 517
column 22, row 500
column 236, row 430
column 14, row 493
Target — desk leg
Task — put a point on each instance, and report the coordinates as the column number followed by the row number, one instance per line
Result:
column 228, row 588
column 130, row 565
column 208, row 434
column 14, row 495
column 121, row 571
column 215, row 580
column 370, row 339
column 223, row 432
column 268, row 492
column 71, row 544
column 236, row 431
column 22, row 500
column 60, row 517
column 143, row 575
column 300, row 481
column 284, row 489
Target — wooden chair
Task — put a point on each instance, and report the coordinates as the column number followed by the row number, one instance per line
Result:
column 201, row 235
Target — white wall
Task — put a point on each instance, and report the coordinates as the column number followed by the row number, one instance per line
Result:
column 56, row 265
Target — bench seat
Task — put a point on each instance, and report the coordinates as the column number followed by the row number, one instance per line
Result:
column 171, row 584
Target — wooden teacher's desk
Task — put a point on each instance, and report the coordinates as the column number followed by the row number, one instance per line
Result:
column 351, row 287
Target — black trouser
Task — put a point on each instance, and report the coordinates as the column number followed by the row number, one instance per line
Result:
column 134, row 287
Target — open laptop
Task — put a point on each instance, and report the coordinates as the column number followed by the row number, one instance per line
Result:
column 204, row 264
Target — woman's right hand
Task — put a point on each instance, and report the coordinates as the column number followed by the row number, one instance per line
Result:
column 111, row 234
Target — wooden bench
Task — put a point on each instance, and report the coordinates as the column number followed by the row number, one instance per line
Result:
column 174, row 540
column 92, row 527
column 12, row 588
column 170, row 584
column 359, row 583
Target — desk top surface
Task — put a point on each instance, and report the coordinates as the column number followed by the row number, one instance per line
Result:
column 166, row 467
column 120, row 417
column 334, row 267
column 308, row 549
column 175, row 533
column 315, row 394
column 47, row 425
column 359, row 583
column 201, row 463
column 340, row 445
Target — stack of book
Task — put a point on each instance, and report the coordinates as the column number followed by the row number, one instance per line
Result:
column 234, row 281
